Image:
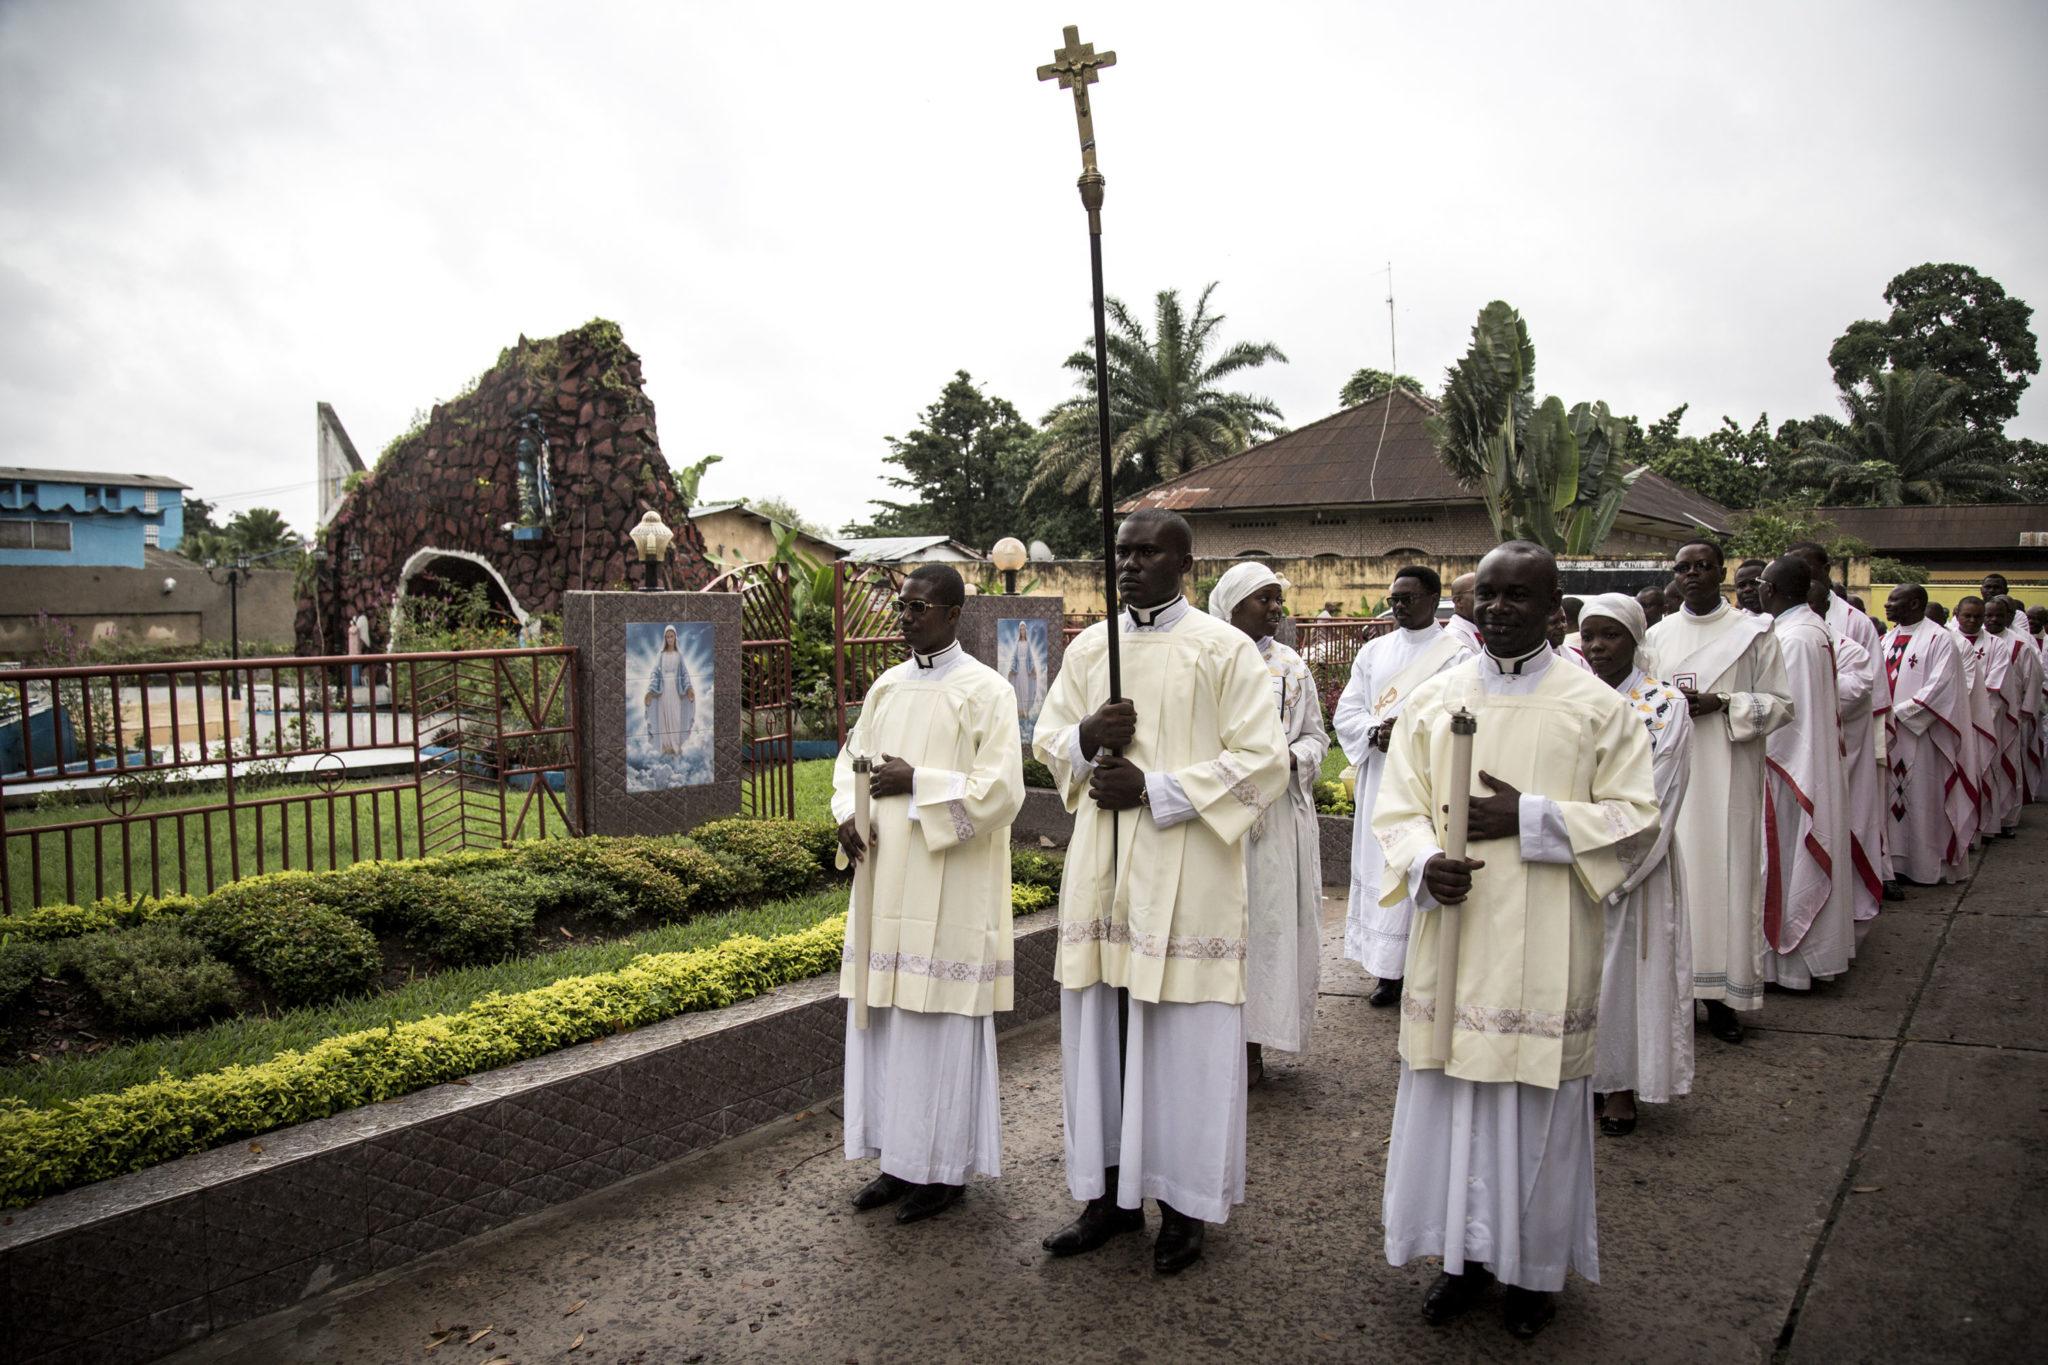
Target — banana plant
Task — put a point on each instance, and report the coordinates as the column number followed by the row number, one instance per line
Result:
column 1549, row 475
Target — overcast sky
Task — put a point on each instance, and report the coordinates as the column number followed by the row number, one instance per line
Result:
column 806, row 217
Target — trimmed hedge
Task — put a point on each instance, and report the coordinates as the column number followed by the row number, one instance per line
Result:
column 152, row 978
column 48, row 922
column 277, row 929
column 46, row 1150
column 1025, row 898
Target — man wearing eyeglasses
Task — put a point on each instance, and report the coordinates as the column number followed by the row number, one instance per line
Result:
column 921, row 1092
column 1172, row 777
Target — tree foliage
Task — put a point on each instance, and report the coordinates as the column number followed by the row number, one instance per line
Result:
column 1548, row 474
column 1767, row 531
column 1905, row 443
column 1368, row 384
column 1168, row 409
column 1731, row 465
column 1956, row 322
column 256, row 532
column 965, row 466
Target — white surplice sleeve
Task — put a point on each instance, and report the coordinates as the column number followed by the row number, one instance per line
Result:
column 954, row 807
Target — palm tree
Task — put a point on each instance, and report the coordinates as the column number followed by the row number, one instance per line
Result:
column 1368, row 384
column 1906, row 442
column 1167, row 410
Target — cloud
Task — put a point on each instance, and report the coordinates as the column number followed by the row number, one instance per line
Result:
column 807, row 217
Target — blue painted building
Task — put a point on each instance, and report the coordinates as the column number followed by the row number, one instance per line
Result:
column 78, row 516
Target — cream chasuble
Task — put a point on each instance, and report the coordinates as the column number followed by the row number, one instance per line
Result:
column 1528, row 989
column 1169, row 920
column 1383, row 675
column 1284, row 871
column 941, row 937
column 1809, row 901
column 1931, row 809
column 1731, row 653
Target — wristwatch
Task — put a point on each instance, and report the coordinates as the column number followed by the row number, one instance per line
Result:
column 1145, row 796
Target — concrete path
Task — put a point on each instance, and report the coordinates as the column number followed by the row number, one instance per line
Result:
column 1862, row 1180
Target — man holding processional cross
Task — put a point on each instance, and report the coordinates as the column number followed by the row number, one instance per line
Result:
column 1490, row 1164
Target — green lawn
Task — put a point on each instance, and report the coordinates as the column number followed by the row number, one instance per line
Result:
column 257, row 1039
column 814, row 789
column 371, row 820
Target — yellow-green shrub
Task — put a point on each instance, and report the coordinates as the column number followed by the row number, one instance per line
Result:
column 45, row 1150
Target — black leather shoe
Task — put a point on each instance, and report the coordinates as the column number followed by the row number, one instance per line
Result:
column 1180, row 1241
column 1617, row 1127
column 926, row 1200
column 1894, row 892
column 1388, row 992
column 883, row 1189
column 1722, row 1023
column 1451, row 1295
column 1528, row 1311
column 1098, row 1222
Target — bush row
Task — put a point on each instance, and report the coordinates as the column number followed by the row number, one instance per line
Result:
column 46, row 1150
column 310, row 937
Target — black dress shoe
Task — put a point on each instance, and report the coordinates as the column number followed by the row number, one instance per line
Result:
column 1528, row 1311
column 926, row 1200
column 1388, row 992
column 1180, row 1241
column 1450, row 1295
column 1894, row 892
column 1098, row 1222
column 883, row 1189
column 1618, row 1127
column 1722, row 1023
column 1254, row 1065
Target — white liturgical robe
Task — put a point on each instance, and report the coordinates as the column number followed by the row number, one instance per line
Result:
column 1931, row 809
column 1168, row 921
column 1731, row 654
column 1491, row 1157
column 1383, row 675
column 1860, row 681
column 2006, row 679
column 921, row 1087
column 1809, row 898
column 1980, row 736
column 1284, row 871
column 1646, row 1008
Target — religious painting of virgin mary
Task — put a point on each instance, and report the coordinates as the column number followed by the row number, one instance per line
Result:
column 668, row 680
column 1023, row 657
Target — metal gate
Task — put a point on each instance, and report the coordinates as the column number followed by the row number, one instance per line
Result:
column 150, row 779
column 767, row 689
column 867, row 640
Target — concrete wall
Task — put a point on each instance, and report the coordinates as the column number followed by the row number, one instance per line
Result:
column 130, row 606
column 734, row 537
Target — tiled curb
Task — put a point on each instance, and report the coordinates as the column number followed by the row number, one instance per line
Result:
column 137, row 1266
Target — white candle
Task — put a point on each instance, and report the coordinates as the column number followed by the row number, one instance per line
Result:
column 862, row 907
column 1450, row 918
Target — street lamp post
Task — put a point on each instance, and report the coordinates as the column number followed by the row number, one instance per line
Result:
column 1009, row 555
column 238, row 574
column 651, row 539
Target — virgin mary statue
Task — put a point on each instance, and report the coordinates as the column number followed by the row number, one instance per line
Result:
column 671, row 698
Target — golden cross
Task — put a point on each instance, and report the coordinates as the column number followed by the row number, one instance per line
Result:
column 1075, row 66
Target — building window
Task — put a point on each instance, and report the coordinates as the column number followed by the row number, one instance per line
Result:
column 152, row 536
column 149, row 502
column 35, row 535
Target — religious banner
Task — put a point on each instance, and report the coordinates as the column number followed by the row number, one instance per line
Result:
column 669, row 683
column 1024, row 658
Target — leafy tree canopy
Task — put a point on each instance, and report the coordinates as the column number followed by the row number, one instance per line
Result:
column 1368, row 384
column 1766, row 532
column 256, row 532
column 784, row 512
column 1904, row 443
column 1957, row 322
column 965, row 467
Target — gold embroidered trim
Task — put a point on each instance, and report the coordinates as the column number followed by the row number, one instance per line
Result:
column 1210, row 948
column 1239, row 782
column 1519, row 1023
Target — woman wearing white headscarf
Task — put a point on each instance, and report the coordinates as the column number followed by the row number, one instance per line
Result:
column 1643, row 1050
column 1283, row 853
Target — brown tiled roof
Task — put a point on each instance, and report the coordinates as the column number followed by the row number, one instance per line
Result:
column 1991, row 525
column 1345, row 461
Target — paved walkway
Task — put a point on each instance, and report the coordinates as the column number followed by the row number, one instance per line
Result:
column 1863, row 1179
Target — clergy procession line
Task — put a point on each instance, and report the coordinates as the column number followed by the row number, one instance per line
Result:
column 1668, row 798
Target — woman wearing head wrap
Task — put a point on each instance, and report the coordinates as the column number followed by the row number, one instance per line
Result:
column 1283, row 853
column 1644, row 1045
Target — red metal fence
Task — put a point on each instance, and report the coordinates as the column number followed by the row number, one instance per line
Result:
column 200, row 769
column 868, row 640
column 1328, row 646
column 767, row 689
